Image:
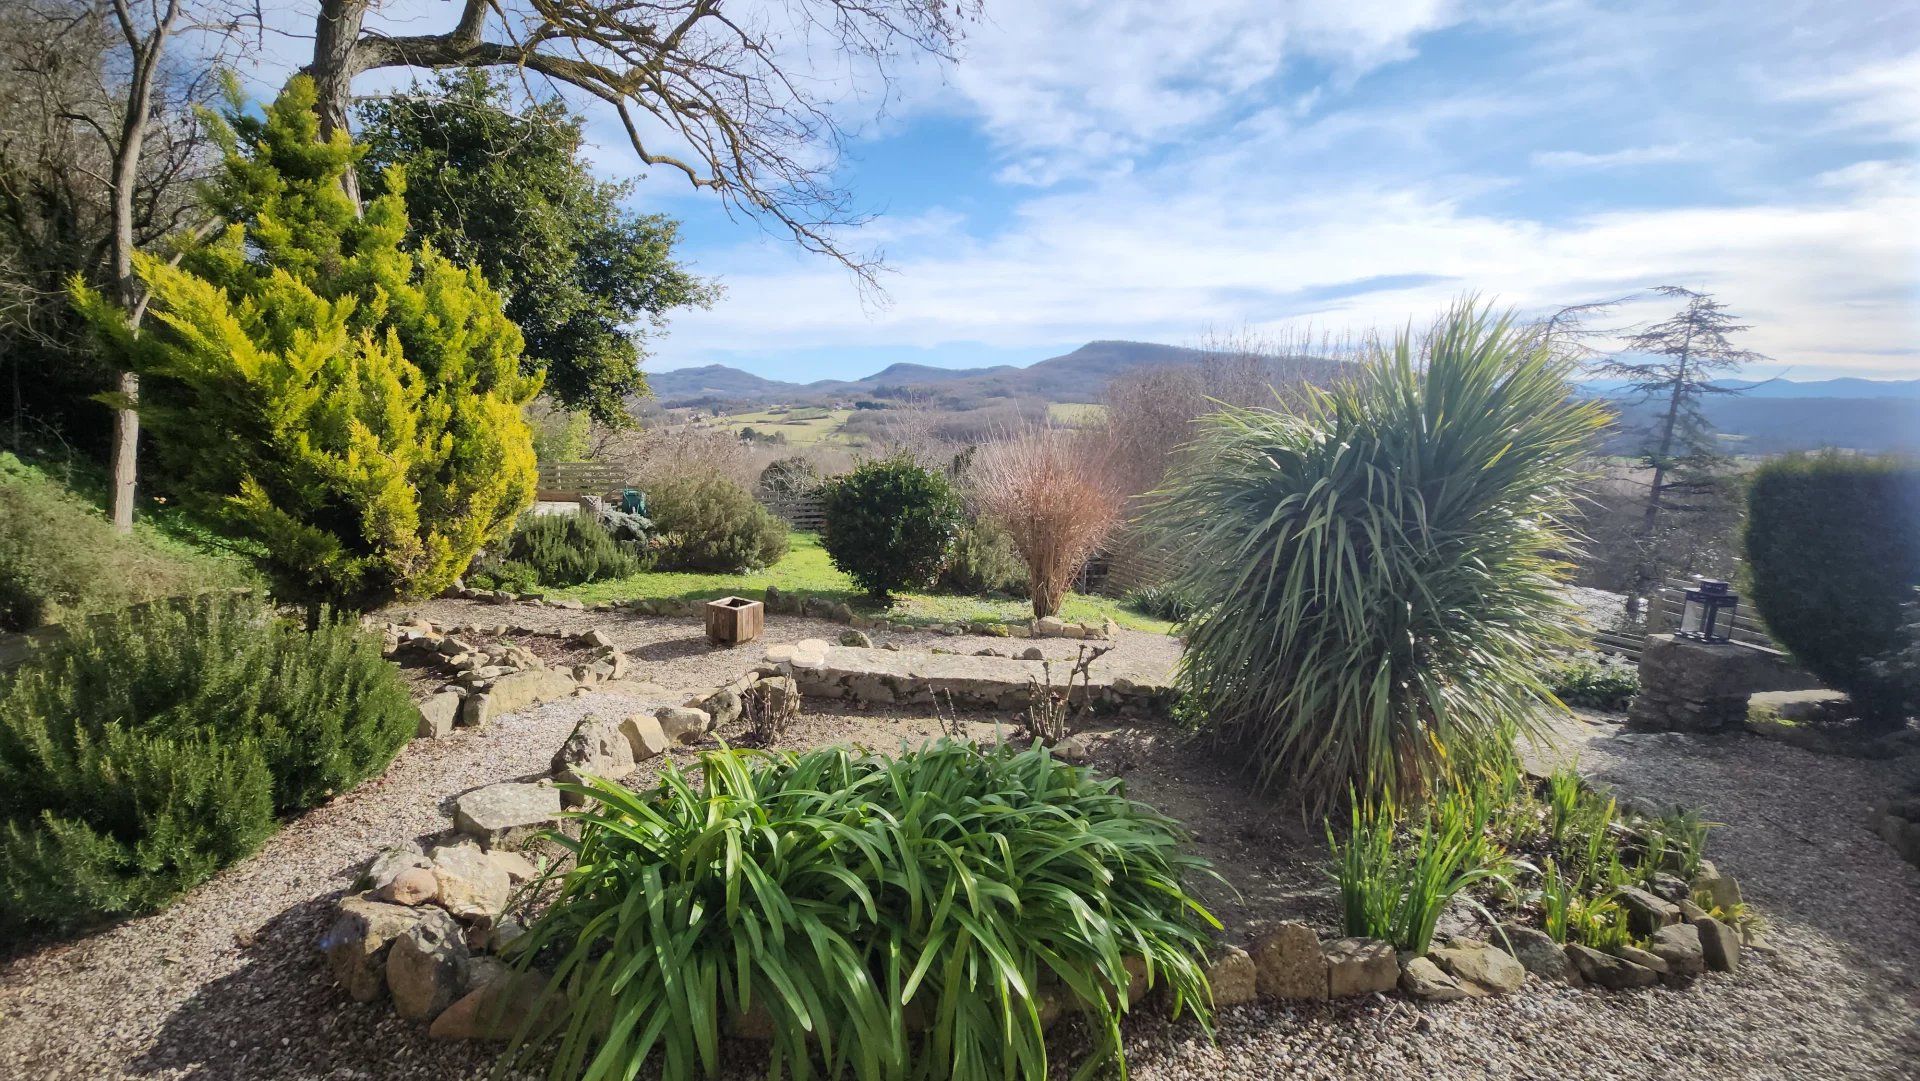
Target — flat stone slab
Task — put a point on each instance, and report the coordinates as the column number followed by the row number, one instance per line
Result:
column 883, row 676
column 506, row 812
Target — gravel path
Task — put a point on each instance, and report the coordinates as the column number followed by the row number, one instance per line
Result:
column 227, row 985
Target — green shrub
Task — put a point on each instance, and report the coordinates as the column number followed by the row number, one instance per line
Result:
column 1372, row 573
column 889, row 524
column 1160, row 602
column 982, row 560
column 350, row 407
column 566, row 550
column 855, row 900
column 1394, row 887
column 1833, row 553
column 710, row 523
column 60, row 559
column 1594, row 681
column 147, row 748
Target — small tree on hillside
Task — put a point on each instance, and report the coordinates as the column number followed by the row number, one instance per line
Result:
column 889, row 524
column 1054, row 491
column 352, row 410
column 1673, row 363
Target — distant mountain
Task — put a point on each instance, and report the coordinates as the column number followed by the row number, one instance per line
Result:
column 1848, row 387
column 1756, row 424
column 714, row 382
column 1079, row 376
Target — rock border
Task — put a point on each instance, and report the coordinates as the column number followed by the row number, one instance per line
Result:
column 481, row 684
column 813, row 607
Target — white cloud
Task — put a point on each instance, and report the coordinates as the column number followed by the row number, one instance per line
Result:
column 1614, row 159
column 1087, row 85
column 1828, row 285
column 1881, row 97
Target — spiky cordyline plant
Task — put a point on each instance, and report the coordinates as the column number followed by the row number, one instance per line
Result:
column 1373, row 572
column 891, row 917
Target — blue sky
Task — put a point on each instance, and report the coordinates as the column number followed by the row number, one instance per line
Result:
column 1159, row 170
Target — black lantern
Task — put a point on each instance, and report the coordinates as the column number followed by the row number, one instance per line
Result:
column 1708, row 614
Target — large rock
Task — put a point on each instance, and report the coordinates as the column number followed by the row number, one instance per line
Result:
column 1722, row 889
column 410, row 886
column 470, row 885
column 506, row 812
column 357, row 941
column 1647, row 913
column 645, row 736
column 1493, row 971
column 1537, row 952
column 1422, row 979
column 723, row 705
column 1719, row 945
column 683, row 724
column 1360, row 966
column 1679, row 946
column 1606, row 970
column 511, row 694
column 477, row 711
column 1290, row 963
column 437, row 715
column 427, row 966
column 597, row 748
column 1233, row 977
column 388, row 863
column 497, row 1009
column 1645, row 959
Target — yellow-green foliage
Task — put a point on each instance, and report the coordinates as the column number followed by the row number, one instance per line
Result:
column 353, row 407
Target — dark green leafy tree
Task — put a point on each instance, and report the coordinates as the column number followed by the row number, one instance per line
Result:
column 1674, row 364
column 890, row 523
column 507, row 190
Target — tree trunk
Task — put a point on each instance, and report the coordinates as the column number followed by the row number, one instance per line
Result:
column 336, row 31
column 126, row 288
column 1649, row 574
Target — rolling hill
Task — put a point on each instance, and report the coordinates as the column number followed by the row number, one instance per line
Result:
column 1079, row 376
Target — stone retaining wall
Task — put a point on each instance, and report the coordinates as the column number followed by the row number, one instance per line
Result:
column 897, row 677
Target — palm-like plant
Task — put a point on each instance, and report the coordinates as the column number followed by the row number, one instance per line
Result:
column 890, row 918
column 1374, row 572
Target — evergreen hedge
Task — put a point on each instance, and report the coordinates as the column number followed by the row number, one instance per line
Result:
column 145, row 749
column 1833, row 553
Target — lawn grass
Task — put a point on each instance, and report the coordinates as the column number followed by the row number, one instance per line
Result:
column 806, row 569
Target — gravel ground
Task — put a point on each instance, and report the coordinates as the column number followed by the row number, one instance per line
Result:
column 227, row 985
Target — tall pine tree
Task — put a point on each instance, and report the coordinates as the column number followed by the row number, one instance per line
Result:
column 351, row 409
column 1673, row 364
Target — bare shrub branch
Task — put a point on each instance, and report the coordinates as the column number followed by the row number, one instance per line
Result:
column 1056, row 494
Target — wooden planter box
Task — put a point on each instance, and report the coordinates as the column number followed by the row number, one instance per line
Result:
column 733, row 620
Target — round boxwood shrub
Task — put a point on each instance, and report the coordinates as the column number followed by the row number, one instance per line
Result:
column 710, row 523
column 890, row 523
column 148, row 748
column 909, row 917
column 1833, row 553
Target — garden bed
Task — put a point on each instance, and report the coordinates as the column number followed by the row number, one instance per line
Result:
column 227, row 983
